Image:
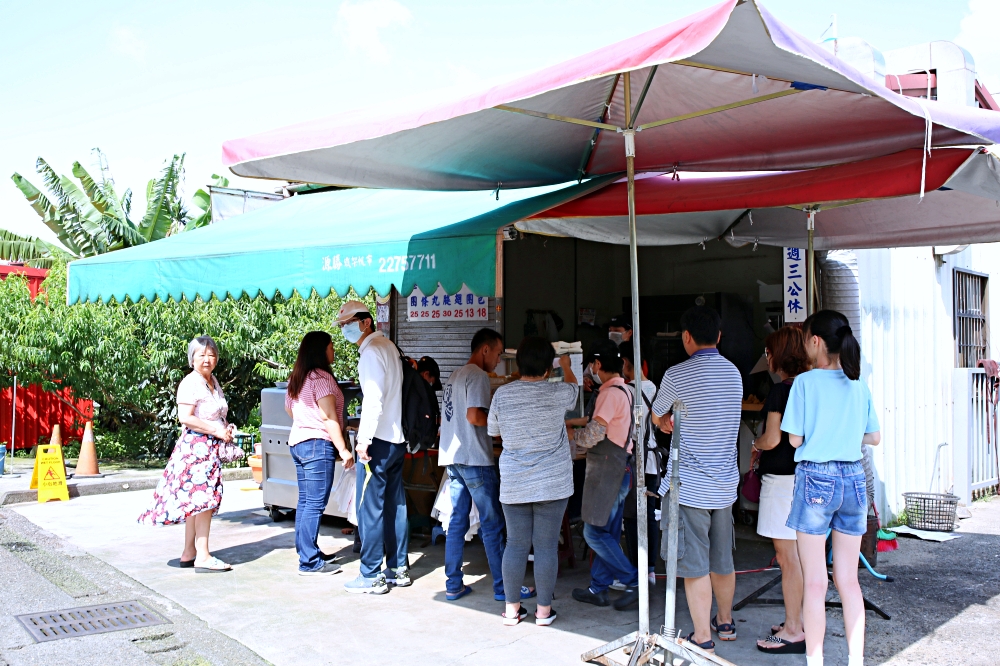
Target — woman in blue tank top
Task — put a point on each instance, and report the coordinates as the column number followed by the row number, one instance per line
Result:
column 829, row 416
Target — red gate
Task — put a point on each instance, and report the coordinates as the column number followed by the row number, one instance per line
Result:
column 37, row 410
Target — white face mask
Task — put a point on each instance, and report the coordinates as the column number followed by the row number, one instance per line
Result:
column 615, row 337
column 593, row 375
column 352, row 332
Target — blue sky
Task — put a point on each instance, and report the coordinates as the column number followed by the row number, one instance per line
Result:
column 144, row 80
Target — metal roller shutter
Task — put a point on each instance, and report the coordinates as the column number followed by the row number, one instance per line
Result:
column 446, row 342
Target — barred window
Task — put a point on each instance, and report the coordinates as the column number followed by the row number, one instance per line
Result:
column 971, row 328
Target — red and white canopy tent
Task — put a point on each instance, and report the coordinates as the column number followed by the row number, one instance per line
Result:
column 870, row 203
column 727, row 89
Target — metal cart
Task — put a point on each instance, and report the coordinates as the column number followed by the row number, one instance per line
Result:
column 280, row 483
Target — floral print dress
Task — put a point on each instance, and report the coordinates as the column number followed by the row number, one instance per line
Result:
column 192, row 481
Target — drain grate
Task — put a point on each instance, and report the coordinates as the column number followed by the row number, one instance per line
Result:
column 87, row 620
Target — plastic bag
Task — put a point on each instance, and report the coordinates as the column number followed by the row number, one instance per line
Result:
column 343, row 495
column 442, row 510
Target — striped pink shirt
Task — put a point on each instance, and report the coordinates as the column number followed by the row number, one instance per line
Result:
column 307, row 417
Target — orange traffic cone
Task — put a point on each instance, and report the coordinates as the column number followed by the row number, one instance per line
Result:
column 56, row 439
column 86, row 464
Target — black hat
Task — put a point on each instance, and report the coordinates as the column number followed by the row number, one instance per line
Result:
column 621, row 321
column 427, row 364
column 603, row 349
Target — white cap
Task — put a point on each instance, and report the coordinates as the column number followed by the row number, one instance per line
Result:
column 349, row 309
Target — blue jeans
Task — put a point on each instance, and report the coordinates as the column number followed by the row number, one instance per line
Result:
column 830, row 495
column 382, row 521
column 314, row 465
column 479, row 484
column 609, row 559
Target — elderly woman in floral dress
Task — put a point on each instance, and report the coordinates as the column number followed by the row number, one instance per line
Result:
column 191, row 488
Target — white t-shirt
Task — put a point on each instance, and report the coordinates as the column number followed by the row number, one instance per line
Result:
column 461, row 442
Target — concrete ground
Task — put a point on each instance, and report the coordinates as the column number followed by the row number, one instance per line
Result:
column 39, row 572
column 944, row 598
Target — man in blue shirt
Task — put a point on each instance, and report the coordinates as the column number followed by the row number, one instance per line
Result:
column 712, row 391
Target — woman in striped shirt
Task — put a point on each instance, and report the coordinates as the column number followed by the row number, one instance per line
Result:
column 316, row 406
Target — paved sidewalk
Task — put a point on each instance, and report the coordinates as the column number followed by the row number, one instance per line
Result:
column 39, row 572
column 944, row 594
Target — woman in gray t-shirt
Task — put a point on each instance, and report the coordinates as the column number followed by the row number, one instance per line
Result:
column 536, row 473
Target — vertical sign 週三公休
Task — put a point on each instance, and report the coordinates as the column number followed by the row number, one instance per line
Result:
column 794, row 274
column 461, row 305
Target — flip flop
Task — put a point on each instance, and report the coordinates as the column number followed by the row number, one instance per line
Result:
column 777, row 627
column 455, row 596
column 707, row 646
column 185, row 564
column 216, row 566
column 526, row 593
column 781, row 646
column 726, row 631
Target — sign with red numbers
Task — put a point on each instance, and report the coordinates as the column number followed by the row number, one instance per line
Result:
column 461, row 305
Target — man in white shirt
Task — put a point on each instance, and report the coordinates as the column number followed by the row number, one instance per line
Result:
column 381, row 500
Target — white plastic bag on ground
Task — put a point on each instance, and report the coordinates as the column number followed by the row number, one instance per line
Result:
column 442, row 510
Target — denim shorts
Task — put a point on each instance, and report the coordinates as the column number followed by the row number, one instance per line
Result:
column 829, row 495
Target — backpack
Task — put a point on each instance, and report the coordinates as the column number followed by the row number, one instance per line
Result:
column 419, row 414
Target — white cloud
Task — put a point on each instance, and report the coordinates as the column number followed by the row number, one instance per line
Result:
column 127, row 41
column 979, row 35
column 360, row 23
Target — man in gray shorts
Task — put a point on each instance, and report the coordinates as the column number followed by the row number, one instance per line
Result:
column 712, row 390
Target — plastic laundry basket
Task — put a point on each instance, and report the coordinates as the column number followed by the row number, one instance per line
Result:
column 931, row 511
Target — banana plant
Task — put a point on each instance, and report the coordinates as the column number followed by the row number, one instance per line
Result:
column 30, row 250
column 203, row 202
column 91, row 218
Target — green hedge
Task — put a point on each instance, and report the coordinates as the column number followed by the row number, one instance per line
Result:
column 129, row 357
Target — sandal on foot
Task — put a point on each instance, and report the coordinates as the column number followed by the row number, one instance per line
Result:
column 526, row 593
column 215, row 565
column 726, row 631
column 185, row 564
column 781, row 646
column 522, row 613
column 455, row 596
column 776, row 628
column 546, row 621
column 707, row 646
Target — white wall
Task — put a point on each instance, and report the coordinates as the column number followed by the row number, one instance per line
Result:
column 908, row 354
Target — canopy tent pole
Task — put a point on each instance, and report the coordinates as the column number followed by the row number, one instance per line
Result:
column 638, row 445
column 643, row 643
column 669, row 630
column 811, row 262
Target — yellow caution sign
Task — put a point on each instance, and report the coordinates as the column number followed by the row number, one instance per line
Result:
column 49, row 475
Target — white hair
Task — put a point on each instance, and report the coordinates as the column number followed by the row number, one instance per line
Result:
column 199, row 343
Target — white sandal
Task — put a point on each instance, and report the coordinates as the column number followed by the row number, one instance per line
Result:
column 215, row 565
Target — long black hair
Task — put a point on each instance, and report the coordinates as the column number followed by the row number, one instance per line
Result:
column 836, row 332
column 312, row 356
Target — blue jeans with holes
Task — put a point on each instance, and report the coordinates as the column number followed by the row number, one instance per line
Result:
column 610, row 561
column 314, row 465
column 830, row 495
column 481, row 485
column 382, row 520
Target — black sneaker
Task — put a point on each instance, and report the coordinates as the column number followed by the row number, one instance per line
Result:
column 628, row 600
column 326, row 570
column 588, row 597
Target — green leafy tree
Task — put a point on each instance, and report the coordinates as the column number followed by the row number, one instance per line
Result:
column 129, row 357
column 89, row 217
